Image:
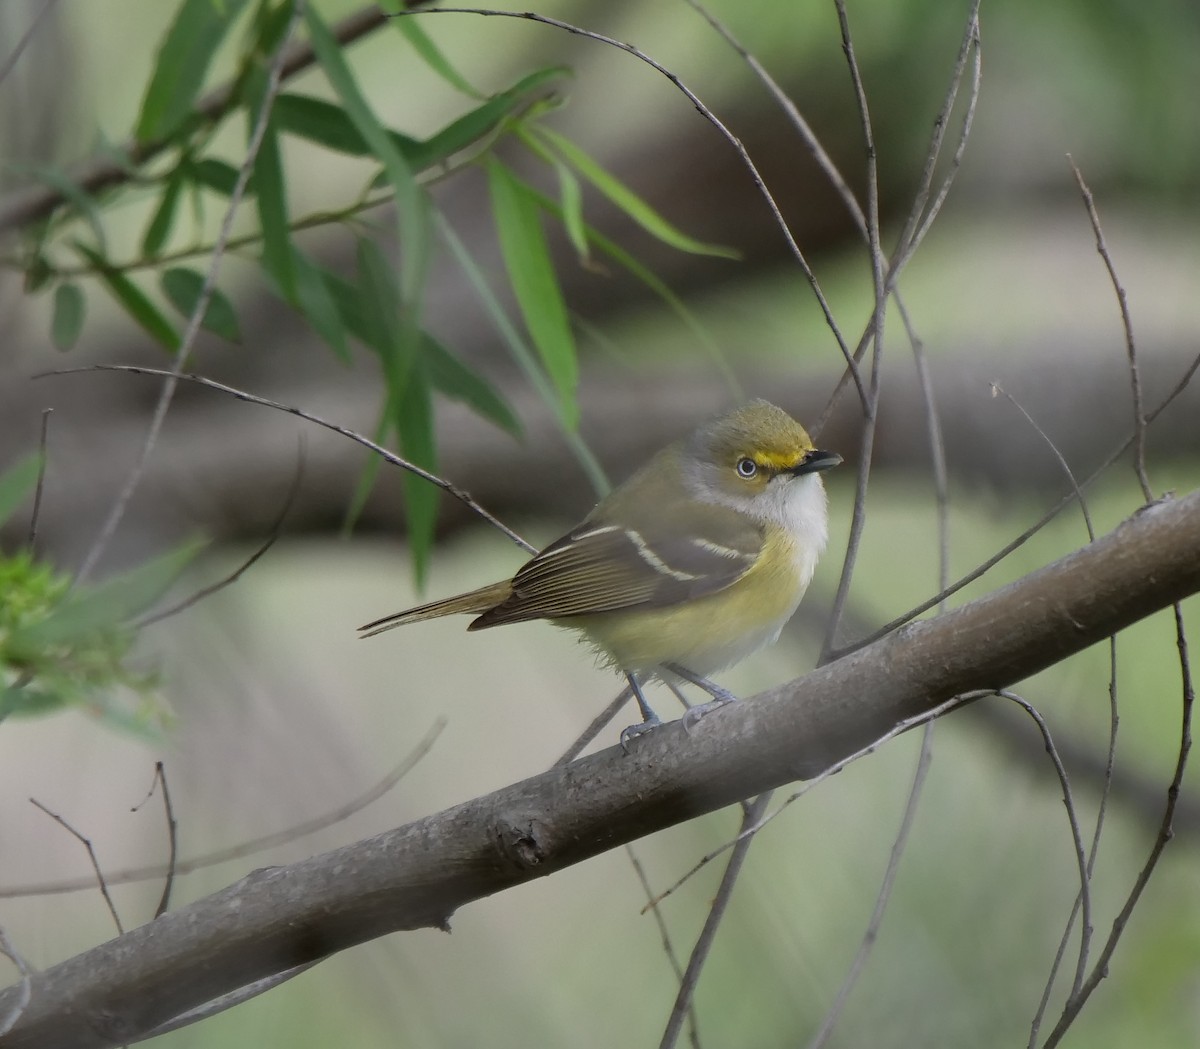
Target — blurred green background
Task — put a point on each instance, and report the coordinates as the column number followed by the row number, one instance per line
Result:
column 280, row 713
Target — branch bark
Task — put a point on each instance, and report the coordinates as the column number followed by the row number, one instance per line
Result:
column 420, row 874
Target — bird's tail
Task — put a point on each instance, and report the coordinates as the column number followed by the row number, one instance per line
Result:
column 475, row 601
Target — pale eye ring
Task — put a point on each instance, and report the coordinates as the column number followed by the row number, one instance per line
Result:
column 747, row 468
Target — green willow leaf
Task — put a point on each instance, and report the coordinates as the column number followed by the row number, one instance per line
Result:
column 216, row 175
column 330, row 126
column 430, row 53
column 133, row 300
column 413, row 210
column 459, row 382
column 647, row 276
column 183, row 60
column 17, row 484
column 271, row 199
column 531, row 273
column 628, row 201
column 182, row 288
column 526, row 360
column 412, row 416
column 409, row 409
column 109, row 603
column 315, row 300
column 70, row 308
column 163, row 220
column 81, row 200
column 484, row 120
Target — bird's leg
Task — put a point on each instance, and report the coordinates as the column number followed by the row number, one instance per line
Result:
column 720, row 696
column 649, row 718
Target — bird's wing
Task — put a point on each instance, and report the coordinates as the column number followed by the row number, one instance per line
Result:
column 601, row 566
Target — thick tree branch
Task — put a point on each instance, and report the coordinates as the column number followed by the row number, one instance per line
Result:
column 419, row 874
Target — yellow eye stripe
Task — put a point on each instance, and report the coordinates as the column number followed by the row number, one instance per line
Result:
column 780, row 460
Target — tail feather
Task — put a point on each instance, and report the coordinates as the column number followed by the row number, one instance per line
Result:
column 475, row 601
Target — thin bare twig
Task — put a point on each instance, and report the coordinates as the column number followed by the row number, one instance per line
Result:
column 904, row 726
column 596, row 726
column 858, row 517
column 1085, row 936
column 300, row 413
column 801, row 126
column 253, row 845
column 665, row 936
column 712, row 118
column 981, row 570
column 1165, row 833
column 1068, row 799
column 914, row 233
column 908, row 242
column 86, row 842
column 26, row 992
column 1068, row 473
column 167, row 394
column 704, row 942
column 39, row 490
column 884, row 896
column 160, row 776
column 227, row 1001
column 240, row 570
column 26, row 38
column 1135, row 379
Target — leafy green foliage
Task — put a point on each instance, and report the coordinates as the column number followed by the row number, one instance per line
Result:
column 63, row 646
column 381, row 309
column 622, row 196
column 16, row 485
column 182, row 287
column 183, row 62
column 133, row 300
column 70, row 308
column 531, row 272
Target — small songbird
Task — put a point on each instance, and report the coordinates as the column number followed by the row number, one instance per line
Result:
column 692, row 564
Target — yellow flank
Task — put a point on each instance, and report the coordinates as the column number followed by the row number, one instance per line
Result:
column 744, row 617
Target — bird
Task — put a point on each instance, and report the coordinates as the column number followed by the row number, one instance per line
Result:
column 693, row 563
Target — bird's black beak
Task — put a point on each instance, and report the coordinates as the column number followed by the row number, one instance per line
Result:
column 814, row 461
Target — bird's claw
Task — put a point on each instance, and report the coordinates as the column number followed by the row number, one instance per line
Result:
column 633, row 731
column 694, row 714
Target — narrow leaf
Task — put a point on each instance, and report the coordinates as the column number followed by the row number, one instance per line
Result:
column 182, row 288
column 571, row 198
column 329, row 125
column 271, row 199
column 430, row 53
column 216, row 175
column 476, row 125
column 413, row 420
column 526, row 361
column 628, row 201
column 456, row 380
column 315, row 301
column 83, row 203
column 411, row 203
column 183, row 61
column 656, row 285
column 109, row 603
column 161, row 224
column 70, row 308
column 17, row 484
column 133, row 300
column 527, row 260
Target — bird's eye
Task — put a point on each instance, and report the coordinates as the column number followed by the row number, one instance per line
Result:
column 747, row 468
